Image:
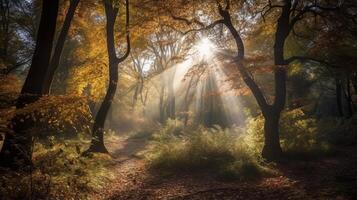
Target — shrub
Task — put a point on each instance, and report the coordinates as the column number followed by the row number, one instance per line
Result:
column 51, row 115
column 225, row 151
column 338, row 131
column 59, row 172
column 299, row 133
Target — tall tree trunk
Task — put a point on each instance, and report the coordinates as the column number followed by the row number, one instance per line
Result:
column 4, row 31
column 354, row 81
column 271, row 113
column 162, row 105
column 59, row 45
column 171, row 113
column 349, row 97
column 135, row 96
column 354, row 85
column 271, row 148
column 339, row 96
column 143, row 98
column 187, row 101
column 17, row 147
column 97, row 144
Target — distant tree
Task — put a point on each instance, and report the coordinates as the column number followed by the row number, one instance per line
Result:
column 17, row 32
column 336, row 39
column 168, row 49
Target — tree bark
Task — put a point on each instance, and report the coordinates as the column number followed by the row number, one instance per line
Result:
column 187, row 101
column 60, row 45
column 162, row 105
column 271, row 149
column 349, row 97
column 339, row 96
column 97, row 143
column 171, row 113
column 16, row 150
column 354, row 81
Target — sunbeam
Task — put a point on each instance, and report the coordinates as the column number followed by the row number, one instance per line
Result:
column 205, row 48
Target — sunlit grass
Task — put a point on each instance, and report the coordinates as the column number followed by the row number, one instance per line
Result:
column 60, row 172
column 223, row 152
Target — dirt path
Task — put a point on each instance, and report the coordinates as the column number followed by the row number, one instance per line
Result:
column 328, row 178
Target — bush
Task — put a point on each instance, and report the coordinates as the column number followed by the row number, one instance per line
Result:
column 225, row 151
column 58, row 114
column 59, row 172
column 338, row 131
column 303, row 134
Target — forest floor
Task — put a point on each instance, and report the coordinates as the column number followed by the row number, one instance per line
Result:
column 332, row 177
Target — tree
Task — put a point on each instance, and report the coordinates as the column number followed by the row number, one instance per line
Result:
column 16, row 150
column 111, row 12
column 291, row 12
column 168, row 49
column 17, row 21
column 336, row 39
column 55, row 60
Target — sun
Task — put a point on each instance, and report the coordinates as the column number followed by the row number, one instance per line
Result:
column 205, row 48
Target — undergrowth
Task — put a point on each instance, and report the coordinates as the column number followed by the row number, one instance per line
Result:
column 59, row 172
column 225, row 152
column 300, row 134
column 234, row 153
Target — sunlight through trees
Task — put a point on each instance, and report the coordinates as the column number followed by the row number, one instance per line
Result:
column 169, row 99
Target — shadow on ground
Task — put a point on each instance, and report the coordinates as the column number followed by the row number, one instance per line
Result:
column 331, row 177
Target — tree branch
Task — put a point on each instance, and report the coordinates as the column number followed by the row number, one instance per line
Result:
column 306, row 59
column 128, row 48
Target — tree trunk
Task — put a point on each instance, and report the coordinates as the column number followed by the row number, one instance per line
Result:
column 171, row 97
column 16, row 150
column 60, row 44
column 135, row 96
column 162, row 105
column 97, row 144
column 271, row 150
column 339, row 97
column 349, row 97
column 186, row 101
column 4, row 32
column 354, row 81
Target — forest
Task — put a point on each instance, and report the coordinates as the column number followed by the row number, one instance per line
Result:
column 178, row 99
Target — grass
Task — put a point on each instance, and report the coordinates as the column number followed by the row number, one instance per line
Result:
column 141, row 135
column 235, row 153
column 59, row 172
column 231, row 154
column 224, row 152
